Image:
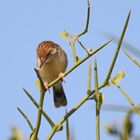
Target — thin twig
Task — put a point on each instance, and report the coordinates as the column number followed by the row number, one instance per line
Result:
column 73, row 51
column 42, row 95
column 125, row 45
column 35, row 134
column 80, row 62
column 89, row 78
column 87, row 21
column 118, row 49
column 40, row 79
column 82, row 46
column 67, row 128
column 97, row 122
column 97, row 100
column 128, row 98
column 26, row 118
column 95, row 76
column 131, row 58
column 92, row 92
column 75, row 108
column 37, row 105
column 74, row 38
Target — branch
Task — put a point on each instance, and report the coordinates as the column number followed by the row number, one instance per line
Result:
column 117, row 50
column 87, row 21
column 97, row 97
column 131, row 58
column 37, row 105
column 76, row 107
column 79, row 62
column 42, row 94
column 92, row 92
column 39, row 77
column 36, row 130
column 96, row 76
column 67, row 128
column 74, row 38
column 82, row 46
column 89, row 78
column 128, row 98
column 26, row 118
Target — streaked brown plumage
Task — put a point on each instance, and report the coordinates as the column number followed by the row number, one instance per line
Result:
column 51, row 61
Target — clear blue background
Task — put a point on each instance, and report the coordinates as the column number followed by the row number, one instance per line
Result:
column 24, row 24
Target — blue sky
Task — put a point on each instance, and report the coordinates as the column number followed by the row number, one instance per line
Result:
column 24, row 24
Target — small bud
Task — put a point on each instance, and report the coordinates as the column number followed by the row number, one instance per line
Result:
column 64, row 34
column 89, row 51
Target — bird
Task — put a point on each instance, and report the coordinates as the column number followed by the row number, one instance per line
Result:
column 51, row 64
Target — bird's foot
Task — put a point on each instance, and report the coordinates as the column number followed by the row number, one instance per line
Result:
column 46, row 84
column 61, row 76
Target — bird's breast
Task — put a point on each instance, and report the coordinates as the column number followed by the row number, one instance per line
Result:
column 50, row 70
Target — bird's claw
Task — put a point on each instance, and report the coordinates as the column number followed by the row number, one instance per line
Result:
column 46, row 84
column 61, row 76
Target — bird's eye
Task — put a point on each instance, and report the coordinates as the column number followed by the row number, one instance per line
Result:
column 42, row 58
column 53, row 51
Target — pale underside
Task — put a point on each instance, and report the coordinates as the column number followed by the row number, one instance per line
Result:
column 53, row 66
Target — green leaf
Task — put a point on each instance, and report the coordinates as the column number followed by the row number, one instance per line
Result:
column 117, row 78
column 64, row 35
column 38, row 84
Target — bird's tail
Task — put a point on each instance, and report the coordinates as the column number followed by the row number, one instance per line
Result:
column 59, row 96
